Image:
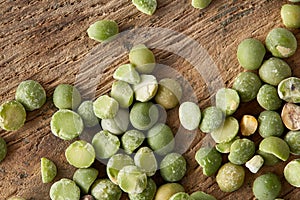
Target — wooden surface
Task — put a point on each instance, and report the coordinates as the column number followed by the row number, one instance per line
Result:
column 46, row 41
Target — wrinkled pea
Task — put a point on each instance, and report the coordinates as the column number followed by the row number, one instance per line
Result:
column 66, row 96
column 275, row 146
column 117, row 125
column 248, row 125
column 269, row 159
column 131, row 140
column 86, row 112
column 146, row 161
column 105, row 107
column 201, row 4
column 290, row 116
column 255, row 163
column 292, row 171
column 64, row 189
column 48, row 170
column 180, row 196
column 227, row 100
column 3, row 149
column 292, row 138
column 209, row 159
column 289, row 90
column 241, row 151
column 141, row 57
column 266, row 187
column 225, row 146
column 103, row 30
column 84, row 178
column 290, row 15
column 105, row 144
column 270, row 124
column 12, row 115
column 268, row 98
column 173, row 167
column 123, row 93
column 189, row 115
column 199, row 195
column 146, row 89
column 105, row 189
column 143, row 115
column 147, row 194
column 226, row 132
column 127, row 73
column 212, row 118
column 145, row 6
column 165, row 191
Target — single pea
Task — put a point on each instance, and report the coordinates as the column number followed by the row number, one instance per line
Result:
column 274, row 70
column 169, row 93
column 147, row 194
column 227, row 100
column 173, row 167
column 247, row 85
column 48, row 170
column 248, row 125
column 115, row 164
column 105, row 107
column 127, row 73
column 224, row 147
column 292, row 138
column 161, row 139
column 290, row 15
column 269, row 159
column 66, row 124
column 16, row 198
column 201, row 4
column 276, row 146
column 212, row 119
column 145, row 6
column 143, row 115
column 266, row 186
column 12, row 115
column 166, row 190
column 105, row 144
column 66, row 96
column 189, row 115
column 226, row 132
column 64, row 189
column 31, row 94
column 180, row 196
column 86, row 112
column 146, row 89
column 268, row 98
column 80, row 154
column 230, row 177
column 289, row 90
column 84, row 178
column 131, row 140
column 281, row 42
column 103, row 30
column 3, row 149
column 241, row 151
column 123, row 93
column 292, row 171
column 146, row 161
column 209, row 159
column 117, row 125
column 250, row 53
column 255, row 163
column 290, row 116
column 270, row 124
column 132, row 180
column 105, row 189
column 142, row 58
column 200, row 195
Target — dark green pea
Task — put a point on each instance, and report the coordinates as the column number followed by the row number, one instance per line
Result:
column 212, row 118
column 293, row 140
column 268, row 98
column 3, row 149
column 241, row 151
column 209, row 159
column 173, row 167
column 266, row 187
column 270, row 124
column 66, row 97
column 290, row 15
column 86, row 112
column 269, row 159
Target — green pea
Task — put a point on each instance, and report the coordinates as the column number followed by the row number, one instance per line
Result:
column 281, row 42
column 142, row 58
column 212, row 119
column 189, row 115
column 292, row 171
column 127, row 73
column 161, row 139
column 241, row 151
column 226, row 132
column 3, row 149
column 290, row 15
column 66, row 96
column 289, row 90
column 12, row 115
column 66, row 124
column 123, row 93
column 166, row 190
column 180, row 196
column 105, row 107
column 131, row 140
column 16, row 198
column 274, row 70
column 230, row 177
column 117, row 125
column 292, row 138
column 103, row 30
column 84, row 178
column 146, row 161
column 224, row 147
column 199, row 195
column 270, row 124
column 105, row 189
column 255, row 163
column 251, row 53
column 247, row 85
column 290, row 116
column 269, row 159
column 146, row 89
column 295, row 1
column 145, row 6
column 105, row 144
column 147, row 194
column 48, row 170
column 227, row 100
column 143, row 115
column 276, row 146
column 173, row 167
column 209, row 159
column 201, row 4
column 31, row 94
column 86, row 112
column 268, row 98
column 80, row 154
column 64, row 189
column 266, row 186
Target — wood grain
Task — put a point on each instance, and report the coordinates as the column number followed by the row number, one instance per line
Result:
column 46, row 41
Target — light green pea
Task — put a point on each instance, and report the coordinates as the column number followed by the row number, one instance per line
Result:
column 173, row 167
column 292, row 138
column 266, row 186
column 141, row 57
column 12, row 115
column 290, row 15
column 147, row 194
column 275, row 146
column 146, row 89
column 227, row 100
column 145, row 6
column 199, row 195
column 66, row 96
column 212, row 119
column 268, row 98
column 84, row 178
column 105, row 144
column 289, row 90
column 226, row 132
column 189, row 115
column 127, row 73
column 209, row 159
column 31, row 94
column 123, row 93
column 131, row 140
column 3, row 149
column 64, row 189
column 269, row 159
column 117, row 125
column 181, row 196
column 48, row 170
column 166, row 190
column 105, row 189
column 292, row 171
column 201, row 4
column 270, row 124
column 241, row 151
column 146, row 161
column 224, row 147
column 86, row 112
column 103, row 30
column 105, row 107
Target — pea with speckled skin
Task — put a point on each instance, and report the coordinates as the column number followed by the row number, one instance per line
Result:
column 105, row 189
column 227, row 100
column 145, row 6
column 275, row 146
column 64, row 189
column 103, row 30
column 289, row 90
column 86, row 112
column 209, row 159
column 266, row 186
column 290, row 15
column 147, row 194
column 3, row 149
column 241, row 151
column 293, row 140
column 212, row 118
column 270, row 124
column 66, row 96
column 291, row 172
column 173, row 167
column 84, row 178
column 142, row 58
column 131, row 140
column 12, row 115
column 268, row 98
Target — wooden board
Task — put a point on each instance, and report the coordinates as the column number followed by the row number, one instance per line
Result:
column 46, row 41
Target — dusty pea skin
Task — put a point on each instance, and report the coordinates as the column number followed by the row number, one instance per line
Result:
column 146, row 89
column 290, row 15
column 292, row 138
column 292, row 171
column 250, row 53
column 227, row 131
column 105, row 189
column 227, row 100
column 290, row 116
column 64, row 189
column 289, row 90
column 66, row 124
column 275, row 146
column 3, row 149
column 66, row 96
column 266, row 186
column 86, row 112
column 199, row 195
column 84, row 178
column 12, row 115
column 212, row 118
column 31, row 94
column 147, row 194
column 270, row 124
column 105, row 107
column 173, row 167
column 123, row 93
column 268, row 98
column 103, row 30
column 48, row 170
column 209, row 159
column 201, row 4
column 105, row 144
column 247, row 85
column 180, row 196
column 241, row 151
column 146, row 161
column 165, row 191
column 141, row 57
column 145, row 6
column 131, row 140
column 127, row 73
column 117, row 125
column 230, row 177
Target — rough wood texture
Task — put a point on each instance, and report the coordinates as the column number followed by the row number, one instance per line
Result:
column 46, row 41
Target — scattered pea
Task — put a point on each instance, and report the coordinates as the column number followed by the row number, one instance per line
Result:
column 142, row 58
column 117, row 125
column 290, row 15
column 241, row 151
column 173, row 167
column 189, row 115
column 66, row 96
column 127, row 73
column 84, row 178
column 105, row 144
column 270, row 124
column 12, row 115
column 255, row 163
column 292, row 171
column 226, row 132
column 64, row 189
column 103, row 30
column 146, row 89
column 269, row 159
column 48, row 170
column 209, row 159
column 199, row 195
column 146, row 161
column 145, row 6
column 3, row 149
column 86, row 112
column 180, row 196
column 266, row 186
column 147, row 194
column 290, row 116
column 292, row 138
column 212, row 119
column 268, row 98
column 123, row 93
column 105, row 107
column 165, row 191
column 248, row 125
column 227, row 100
column 105, row 189
column 289, row 90
column 225, row 146
column 131, row 140
column 143, row 115
column 201, row 4
column 276, row 146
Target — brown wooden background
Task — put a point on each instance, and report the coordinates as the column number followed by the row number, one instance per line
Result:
column 46, row 41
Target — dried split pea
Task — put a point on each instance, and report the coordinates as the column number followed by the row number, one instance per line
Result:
column 248, row 125
column 292, row 171
column 167, row 190
column 293, row 140
column 123, row 93
column 64, row 189
column 227, row 131
column 146, row 89
column 270, row 124
column 117, row 125
column 86, row 112
column 105, row 189
column 209, row 159
column 180, row 196
column 48, row 170
column 105, row 107
column 84, row 178
column 189, row 115
column 127, row 73
column 255, row 163
column 105, row 144
column 66, row 96
column 268, row 98
column 131, row 140
column 201, row 4
column 224, row 147
column 103, row 30
column 241, row 151
column 199, row 195
column 146, row 161
column 227, row 100
column 266, row 186
column 289, row 90
column 145, row 6
column 290, row 15
column 290, row 116
column 141, row 57
column 275, row 146
column 147, row 194
column 212, row 119
column 173, row 167
column 12, row 115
